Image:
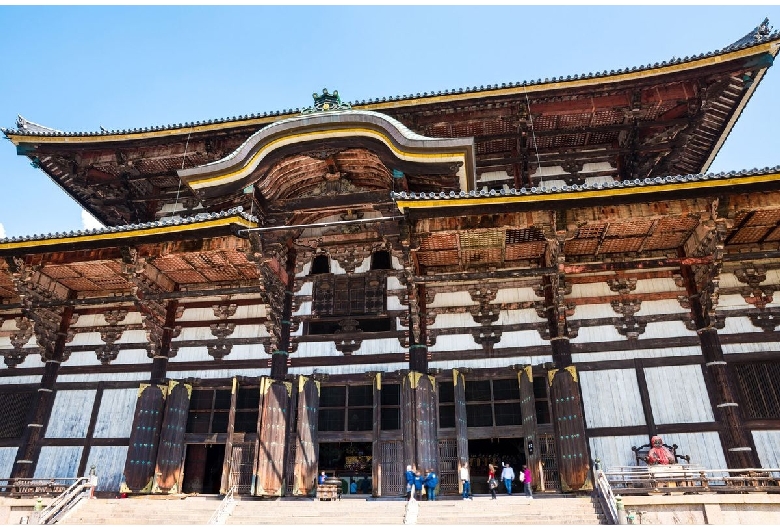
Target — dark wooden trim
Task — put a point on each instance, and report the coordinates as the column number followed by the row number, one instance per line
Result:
column 644, row 396
column 103, row 442
column 668, row 428
column 760, row 425
column 90, row 431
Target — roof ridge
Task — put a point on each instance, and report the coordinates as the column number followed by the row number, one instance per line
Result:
column 166, row 221
column 758, row 35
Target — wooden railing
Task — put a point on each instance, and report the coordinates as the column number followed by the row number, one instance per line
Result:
column 66, row 501
column 35, row 487
column 225, row 507
column 641, row 480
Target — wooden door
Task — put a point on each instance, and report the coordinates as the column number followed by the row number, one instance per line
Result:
column 242, row 457
column 569, row 425
column 306, row 442
column 392, row 469
column 426, row 424
column 448, row 467
column 461, row 424
column 528, row 410
column 144, row 438
column 270, row 480
column 170, row 454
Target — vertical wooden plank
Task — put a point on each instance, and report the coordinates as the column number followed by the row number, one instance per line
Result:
column 82, row 471
column 569, row 425
column 427, row 446
column 407, row 420
column 376, row 456
column 461, row 424
column 231, row 428
column 171, row 450
column 525, row 380
column 307, row 443
column 255, row 467
column 272, row 438
column 144, row 439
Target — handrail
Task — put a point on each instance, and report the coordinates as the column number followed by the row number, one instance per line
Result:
column 640, row 480
column 411, row 509
column 65, row 501
column 225, row 507
column 605, row 495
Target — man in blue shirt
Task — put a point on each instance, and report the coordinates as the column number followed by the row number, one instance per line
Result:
column 431, row 481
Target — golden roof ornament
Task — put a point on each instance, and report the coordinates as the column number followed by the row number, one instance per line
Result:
column 326, row 102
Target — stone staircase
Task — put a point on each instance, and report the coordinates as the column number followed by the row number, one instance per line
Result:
column 558, row 509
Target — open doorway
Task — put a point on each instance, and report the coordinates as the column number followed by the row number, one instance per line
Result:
column 203, row 468
column 495, row 451
column 349, row 461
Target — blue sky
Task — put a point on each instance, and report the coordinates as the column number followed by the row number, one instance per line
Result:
column 79, row 68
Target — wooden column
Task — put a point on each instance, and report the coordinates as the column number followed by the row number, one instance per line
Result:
column 569, row 425
column 421, row 444
column 376, row 451
column 272, row 437
column 160, row 359
column 306, row 444
column 224, row 484
column 528, row 410
column 418, row 349
column 736, row 440
column 461, row 423
column 51, row 337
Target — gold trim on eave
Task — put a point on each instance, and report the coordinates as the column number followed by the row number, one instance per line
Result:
column 412, row 204
column 767, row 47
column 167, row 229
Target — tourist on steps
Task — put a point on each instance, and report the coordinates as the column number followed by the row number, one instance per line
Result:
column 492, row 483
column 431, row 481
column 418, row 484
column 508, row 475
column 409, row 482
column 527, row 482
column 465, row 479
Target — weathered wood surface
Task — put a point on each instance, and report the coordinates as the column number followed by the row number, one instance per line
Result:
column 306, row 441
column 144, row 438
column 569, row 424
column 272, row 438
column 528, row 411
column 170, row 455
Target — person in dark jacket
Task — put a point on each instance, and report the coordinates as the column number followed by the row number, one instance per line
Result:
column 430, row 482
column 418, row 484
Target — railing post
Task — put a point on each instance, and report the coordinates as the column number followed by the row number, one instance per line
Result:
column 621, row 511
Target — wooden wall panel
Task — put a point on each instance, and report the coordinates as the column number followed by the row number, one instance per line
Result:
column 610, row 398
column 7, row 459
column 671, row 386
column 704, row 448
column 70, row 414
column 426, row 424
column 170, row 453
column 616, row 451
column 528, row 409
column 272, row 437
column 115, row 417
column 306, row 443
column 58, row 462
column 768, row 448
column 144, row 437
column 516, row 339
column 641, row 353
column 109, row 462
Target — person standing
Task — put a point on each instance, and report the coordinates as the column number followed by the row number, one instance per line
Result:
column 527, row 482
column 409, row 482
column 322, row 477
column 431, row 481
column 418, row 484
column 508, row 475
column 465, row 480
column 492, row 483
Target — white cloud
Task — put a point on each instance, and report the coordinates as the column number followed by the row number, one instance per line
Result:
column 2, row 231
column 88, row 221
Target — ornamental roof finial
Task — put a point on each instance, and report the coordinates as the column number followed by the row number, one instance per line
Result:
column 326, row 102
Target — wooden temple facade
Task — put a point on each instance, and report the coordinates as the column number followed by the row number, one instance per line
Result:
column 540, row 272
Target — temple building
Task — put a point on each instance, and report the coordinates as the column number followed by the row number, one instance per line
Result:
column 542, row 273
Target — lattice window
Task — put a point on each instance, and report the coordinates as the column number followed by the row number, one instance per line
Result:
column 209, row 411
column 15, row 406
column 349, row 295
column 347, row 408
column 759, row 385
column 391, row 407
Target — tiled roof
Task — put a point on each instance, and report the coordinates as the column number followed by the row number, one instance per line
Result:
column 761, row 34
column 657, row 181
column 169, row 221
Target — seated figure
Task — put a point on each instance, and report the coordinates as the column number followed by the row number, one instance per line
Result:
column 658, row 454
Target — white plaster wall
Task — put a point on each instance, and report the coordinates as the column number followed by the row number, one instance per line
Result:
column 201, row 353
column 660, row 307
column 518, row 316
column 457, row 299
column 455, row 343
column 133, row 317
column 71, row 413
column 380, row 346
column 732, row 301
column 87, row 339
column 678, row 394
column 398, row 324
column 768, row 448
column 394, row 304
column 217, row 374
column 656, row 285
column 615, row 451
column 303, row 310
column 109, row 465
column 493, row 362
column 519, row 339
column 304, row 271
column 667, row 330
column 364, row 266
column 7, row 459
column 739, row 325
column 588, row 311
column 394, row 283
column 516, row 294
column 703, row 447
column 130, row 336
column 82, row 358
column 33, row 360
column 58, row 462
column 350, row 369
column 134, row 356
column 306, row 289
column 316, row 349
column 610, row 398
column 453, row 320
column 754, row 347
column 20, row 379
column 635, row 354
column 583, row 290
column 94, row 378
column 597, row 334
column 115, row 417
